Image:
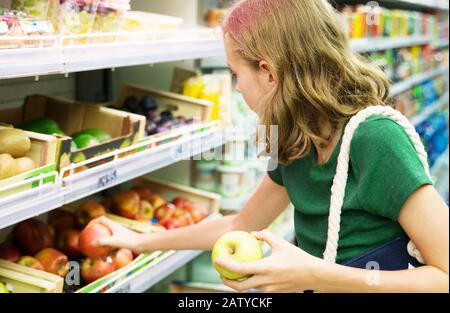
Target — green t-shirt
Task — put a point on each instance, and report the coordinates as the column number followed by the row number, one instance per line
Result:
column 384, row 171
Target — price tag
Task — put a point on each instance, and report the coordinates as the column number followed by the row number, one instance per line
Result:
column 107, row 179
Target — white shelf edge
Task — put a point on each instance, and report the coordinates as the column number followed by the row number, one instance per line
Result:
column 378, row 44
column 414, row 80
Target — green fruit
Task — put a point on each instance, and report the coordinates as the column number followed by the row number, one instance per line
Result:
column 43, row 125
column 99, row 134
column 85, row 140
column 79, row 157
column 3, row 288
column 73, row 146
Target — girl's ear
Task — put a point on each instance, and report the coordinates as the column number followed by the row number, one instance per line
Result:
column 267, row 71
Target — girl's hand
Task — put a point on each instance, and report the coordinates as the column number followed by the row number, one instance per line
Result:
column 287, row 269
column 121, row 237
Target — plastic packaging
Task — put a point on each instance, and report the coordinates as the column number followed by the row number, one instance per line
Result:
column 37, row 9
column 110, row 15
column 73, row 16
column 204, row 176
column 231, row 180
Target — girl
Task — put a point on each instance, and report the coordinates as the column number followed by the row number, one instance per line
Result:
column 295, row 68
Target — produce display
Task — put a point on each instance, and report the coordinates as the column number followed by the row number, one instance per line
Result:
column 415, row 100
column 73, row 16
column 37, row 9
column 399, row 64
column 385, row 22
column 160, row 118
column 141, row 204
column 83, row 139
column 110, row 15
column 14, row 146
column 434, row 134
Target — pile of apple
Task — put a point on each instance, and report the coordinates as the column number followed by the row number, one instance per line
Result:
column 50, row 247
column 141, row 204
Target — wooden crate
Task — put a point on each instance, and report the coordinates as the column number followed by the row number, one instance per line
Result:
column 186, row 106
column 27, row 280
column 44, row 154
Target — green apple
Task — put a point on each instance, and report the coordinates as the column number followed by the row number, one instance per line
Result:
column 3, row 288
column 237, row 246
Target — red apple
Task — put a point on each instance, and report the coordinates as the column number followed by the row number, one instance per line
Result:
column 165, row 211
column 64, row 223
column 10, row 252
column 68, row 242
column 31, row 262
column 122, row 258
column 185, row 219
column 126, row 203
column 93, row 269
column 88, row 211
column 32, row 236
column 53, row 261
column 157, row 200
column 146, row 210
column 171, row 223
column 143, row 192
column 179, row 202
column 198, row 212
column 88, row 235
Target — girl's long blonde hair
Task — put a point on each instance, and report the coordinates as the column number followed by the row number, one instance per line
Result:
column 319, row 77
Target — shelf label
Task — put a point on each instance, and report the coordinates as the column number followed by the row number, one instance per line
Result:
column 107, row 179
column 124, row 289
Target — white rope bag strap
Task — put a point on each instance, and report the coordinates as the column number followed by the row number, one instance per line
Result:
column 340, row 179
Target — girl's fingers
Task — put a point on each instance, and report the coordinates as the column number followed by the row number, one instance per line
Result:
column 254, row 282
column 268, row 237
column 246, row 268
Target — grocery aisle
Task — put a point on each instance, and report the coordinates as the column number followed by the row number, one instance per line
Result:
column 127, row 109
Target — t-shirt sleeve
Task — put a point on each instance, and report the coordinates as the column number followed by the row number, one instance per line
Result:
column 276, row 175
column 386, row 166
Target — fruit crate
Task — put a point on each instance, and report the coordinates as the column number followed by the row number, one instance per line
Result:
column 198, row 111
column 43, row 152
column 125, row 129
column 23, row 279
column 145, row 261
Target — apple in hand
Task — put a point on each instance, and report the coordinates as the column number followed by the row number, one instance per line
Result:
column 53, row 261
column 96, row 268
column 31, row 262
column 32, row 236
column 126, row 203
column 10, row 252
column 238, row 246
column 88, row 235
column 68, row 243
column 88, row 211
column 122, row 257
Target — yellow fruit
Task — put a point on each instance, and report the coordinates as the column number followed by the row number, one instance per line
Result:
column 24, row 165
column 8, row 166
column 14, row 142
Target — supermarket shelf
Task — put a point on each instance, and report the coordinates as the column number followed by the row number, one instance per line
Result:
column 440, row 44
column 414, row 80
column 430, row 5
column 64, row 54
column 378, row 44
column 234, row 204
column 441, row 103
column 440, row 175
column 47, row 197
column 32, row 202
column 359, row 45
column 151, row 276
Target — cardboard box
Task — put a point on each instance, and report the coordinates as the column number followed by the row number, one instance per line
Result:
column 43, row 152
column 124, row 128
